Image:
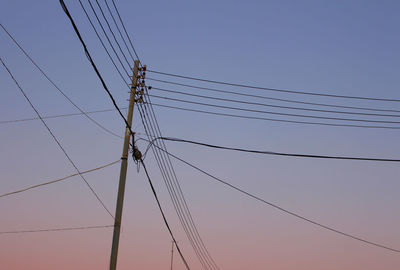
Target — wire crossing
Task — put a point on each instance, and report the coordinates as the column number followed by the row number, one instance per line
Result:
column 56, row 140
column 56, row 86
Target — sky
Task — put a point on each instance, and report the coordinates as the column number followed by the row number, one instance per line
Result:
column 331, row 47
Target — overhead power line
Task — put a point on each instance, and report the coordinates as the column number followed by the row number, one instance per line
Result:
column 58, row 229
column 104, row 46
column 273, row 89
column 173, row 187
column 126, row 32
column 57, row 180
column 76, row 30
column 93, row 64
column 119, row 31
column 58, row 116
column 105, row 34
column 274, row 119
column 248, row 194
column 56, row 140
column 55, row 85
column 163, row 215
column 275, row 113
column 247, row 95
column 112, row 33
column 276, row 153
column 271, row 105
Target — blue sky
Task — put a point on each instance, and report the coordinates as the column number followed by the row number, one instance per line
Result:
column 331, row 47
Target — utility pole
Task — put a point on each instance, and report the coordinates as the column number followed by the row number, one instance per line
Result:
column 124, row 166
column 172, row 254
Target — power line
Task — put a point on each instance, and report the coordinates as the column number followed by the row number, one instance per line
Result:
column 247, row 95
column 108, row 39
column 271, row 105
column 86, row 51
column 56, row 140
column 58, row 116
column 123, row 25
column 58, row 229
column 273, row 89
column 203, row 249
column 276, row 153
column 112, row 33
column 76, row 30
column 163, row 215
column 55, row 85
column 175, row 191
column 274, row 119
column 104, row 46
column 275, row 113
column 93, row 64
column 283, row 209
column 58, row 180
column 119, row 31
column 146, row 89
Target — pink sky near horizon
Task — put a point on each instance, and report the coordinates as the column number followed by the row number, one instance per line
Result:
column 339, row 47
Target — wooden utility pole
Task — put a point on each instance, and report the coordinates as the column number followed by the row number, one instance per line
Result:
column 172, row 254
column 124, row 166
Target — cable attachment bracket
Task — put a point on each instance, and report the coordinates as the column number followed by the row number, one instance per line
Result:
column 136, row 154
column 141, row 85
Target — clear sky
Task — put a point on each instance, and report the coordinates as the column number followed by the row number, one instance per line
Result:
column 331, row 47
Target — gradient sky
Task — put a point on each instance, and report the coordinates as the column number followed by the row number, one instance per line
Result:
column 332, row 47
